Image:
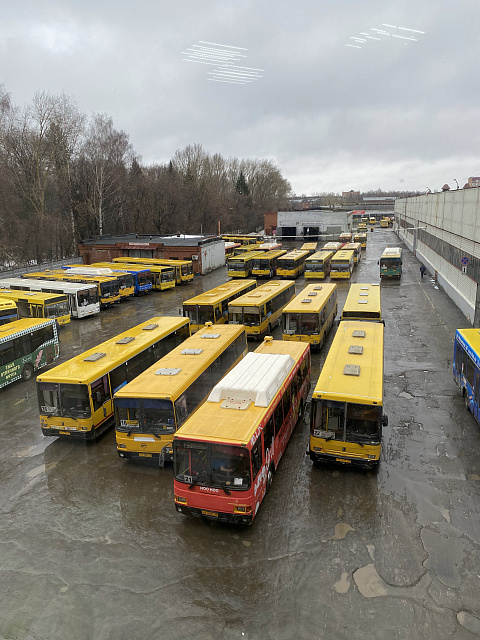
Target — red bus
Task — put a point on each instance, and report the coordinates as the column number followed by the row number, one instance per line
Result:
column 226, row 454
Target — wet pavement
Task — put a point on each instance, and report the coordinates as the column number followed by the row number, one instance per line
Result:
column 91, row 546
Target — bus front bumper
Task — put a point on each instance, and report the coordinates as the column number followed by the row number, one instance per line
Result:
column 363, row 463
column 70, row 433
column 335, row 275
column 139, row 456
column 215, row 516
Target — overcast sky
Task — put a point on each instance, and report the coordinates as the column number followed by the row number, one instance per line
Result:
column 395, row 114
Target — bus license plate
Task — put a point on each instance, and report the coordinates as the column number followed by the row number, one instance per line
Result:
column 212, row 514
column 145, row 455
column 64, row 433
column 344, row 460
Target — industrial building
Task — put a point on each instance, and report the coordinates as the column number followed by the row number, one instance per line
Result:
column 206, row 252
column 443, row 231
column 312, row 223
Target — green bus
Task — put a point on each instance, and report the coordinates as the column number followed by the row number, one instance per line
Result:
column 26, row 346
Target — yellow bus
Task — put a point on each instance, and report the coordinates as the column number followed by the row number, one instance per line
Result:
column 243, row 239
column 344, row 238
column 362, row 226
column 226, row 454
column 8, row 311
column 37, row 304
column 161, row 277
column 363, row 303
column 384, row 223
column 310, row 315
column 75, row 398
column 347, row 405
column 248, row 248
column 292, row 264
column 183, row 269
column 261, row 310
column 311, row 247
column 342, row 264
column 142, row 276
column 240, row 266
column 332, row 246
column 356, row 247
column 372, row 221
column 26, row 346
column 152, row 407
column 126, row 284
column 107, row 286
column 318, row 265
column 230, row 248
column 361, row 238
column 391, row 263
column 212, row 305
column 265, row 265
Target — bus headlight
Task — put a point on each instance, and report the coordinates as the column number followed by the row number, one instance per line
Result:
column 167, row 449
column 121, row 446
column 242, row 508
column 370, row 457
column 180, row 499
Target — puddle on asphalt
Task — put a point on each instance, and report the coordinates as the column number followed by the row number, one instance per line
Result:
column 369, row 582
column 343, row 585
column 473, row 476
column 469, row 622
column 341, row 530
column 33, row 473
column 32, row 451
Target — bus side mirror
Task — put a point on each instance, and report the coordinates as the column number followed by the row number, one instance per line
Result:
column 378, row 261
column 384, row 420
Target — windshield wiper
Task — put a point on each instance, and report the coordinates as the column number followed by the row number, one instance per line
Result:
column 227, row 492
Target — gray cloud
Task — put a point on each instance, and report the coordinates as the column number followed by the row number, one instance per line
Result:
column 389, row 114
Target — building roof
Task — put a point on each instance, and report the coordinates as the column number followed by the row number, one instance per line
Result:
column 136, row 240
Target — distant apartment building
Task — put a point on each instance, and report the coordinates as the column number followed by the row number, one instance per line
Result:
column 351, row 196
column 474, row 182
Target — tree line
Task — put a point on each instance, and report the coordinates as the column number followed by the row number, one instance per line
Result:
column 66, row 177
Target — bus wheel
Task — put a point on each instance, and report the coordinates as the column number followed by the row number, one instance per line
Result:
column 27, row 372
column 270, row 473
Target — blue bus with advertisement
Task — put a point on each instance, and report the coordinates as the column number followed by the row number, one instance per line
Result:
column 466, row 368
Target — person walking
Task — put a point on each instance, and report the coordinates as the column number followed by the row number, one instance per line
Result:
column 423, row 270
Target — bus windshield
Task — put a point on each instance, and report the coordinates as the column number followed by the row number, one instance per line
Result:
column 236, row 263
column 187, row 269
column 87, row 297
column 385, row 263
column 143, row 279
column 302, row 323
column 349, row 422
column 249, row 316
column 341, row 266
column 199, row 314
column 137, row 415
column 109, row 288
column 315, row 266
column 63, row 400
column 166, row 276
column 212, row 465
column 56, row 309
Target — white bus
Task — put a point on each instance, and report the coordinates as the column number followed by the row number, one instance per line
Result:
column 82, row 298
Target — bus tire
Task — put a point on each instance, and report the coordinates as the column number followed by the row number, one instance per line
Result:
column 270, row 473
column 27, row 372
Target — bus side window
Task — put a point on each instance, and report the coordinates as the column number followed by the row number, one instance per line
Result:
column 6, row 352
column 118, row 377
column 278, row 417
column 256, row 457
column 458, row 358
column 218, row 313
column 287, row 403
column 100, row 392
column 268, row 433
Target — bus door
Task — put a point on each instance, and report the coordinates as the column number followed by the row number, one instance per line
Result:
column 218, row 314
column 102, row 402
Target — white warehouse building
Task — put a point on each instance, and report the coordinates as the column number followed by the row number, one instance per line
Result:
column 311, row 223
column 443, row 231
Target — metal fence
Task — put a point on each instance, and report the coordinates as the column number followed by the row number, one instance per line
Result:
column 19, row 271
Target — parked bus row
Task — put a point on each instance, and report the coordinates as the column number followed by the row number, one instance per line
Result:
column 76, row 397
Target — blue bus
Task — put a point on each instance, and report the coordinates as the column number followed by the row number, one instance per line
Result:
column 466, row 368
column 142, row 277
